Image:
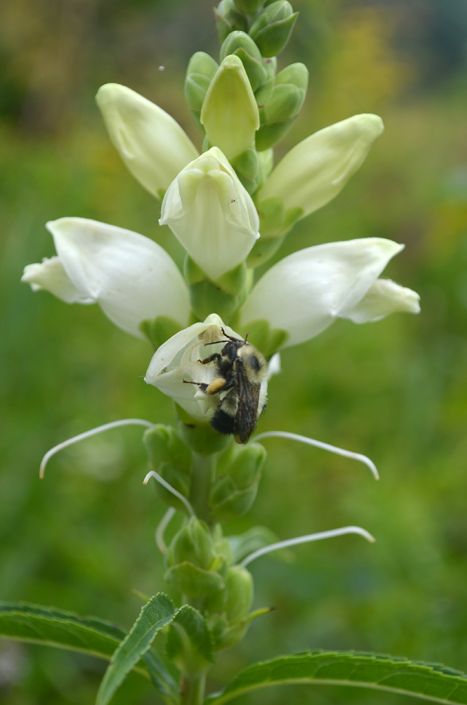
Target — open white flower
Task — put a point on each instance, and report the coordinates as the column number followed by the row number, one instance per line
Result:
column 211, row 214
column 177, row 362
column 130, row 276
column 307, row 291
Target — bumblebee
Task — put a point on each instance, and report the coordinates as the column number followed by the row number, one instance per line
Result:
column 240, row 370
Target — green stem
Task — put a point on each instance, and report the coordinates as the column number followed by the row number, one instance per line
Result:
column 201, row 486
column 192, row 691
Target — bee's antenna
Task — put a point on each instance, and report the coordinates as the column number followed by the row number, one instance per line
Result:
column 216, row 342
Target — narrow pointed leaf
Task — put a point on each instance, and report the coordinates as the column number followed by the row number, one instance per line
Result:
column 65, row 630
column 425, row 681
column 156, row 614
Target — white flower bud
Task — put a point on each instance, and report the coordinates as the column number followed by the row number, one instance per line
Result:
column 317, row 169
column 151, row 143
column 211, row 214
column 230, row 114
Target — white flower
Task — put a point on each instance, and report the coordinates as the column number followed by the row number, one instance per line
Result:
column 176, row 363
column 131, row 277
column 308, row 290
column 230, row 114
column 211, row 214
column 151, row 143
column 314, row 171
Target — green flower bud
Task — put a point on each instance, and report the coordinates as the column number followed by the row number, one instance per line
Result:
column 192, row 544
column 248, row 7
column 243, row 46
column 200, row 71
column 282, row 105
column 275, row 220
column 168, row 454
column 236, row 480
column 228, row 18
column 159, row 329
column 272, row 29
column 225, row 296
column 230, row 114
column 248, row 170
column 238, row 594
column 200, row 587
column 263, row 250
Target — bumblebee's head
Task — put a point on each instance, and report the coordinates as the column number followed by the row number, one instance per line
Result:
column 254, row 363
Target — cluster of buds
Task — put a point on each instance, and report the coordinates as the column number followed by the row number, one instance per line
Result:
column 230, row 207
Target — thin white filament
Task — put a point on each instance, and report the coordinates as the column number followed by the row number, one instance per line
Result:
column 307, row 539
column 160, row 530
column 87, row 434
column 169, row 488
column 324, row 446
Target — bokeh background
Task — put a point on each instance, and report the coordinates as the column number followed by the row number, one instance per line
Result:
column 396, row 390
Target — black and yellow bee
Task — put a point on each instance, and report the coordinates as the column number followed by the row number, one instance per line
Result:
column 240, row 369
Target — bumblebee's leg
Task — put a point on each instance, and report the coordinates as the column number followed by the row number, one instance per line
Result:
column 202, row 385
column 211, row 358
column 213, row 387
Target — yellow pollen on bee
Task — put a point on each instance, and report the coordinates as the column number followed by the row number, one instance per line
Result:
column 216, row 385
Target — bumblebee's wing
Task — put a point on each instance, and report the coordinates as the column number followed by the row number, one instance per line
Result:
column 248, row 400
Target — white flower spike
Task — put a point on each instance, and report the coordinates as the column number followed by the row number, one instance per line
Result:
column 314, row 171
column 131, row 277
column 211, row 214
column 151, row 143
column 307, row 291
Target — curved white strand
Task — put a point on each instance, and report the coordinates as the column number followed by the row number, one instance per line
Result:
column 324, row 446
column 307, row 539
column 169, row 488
column 160, row 530
column 87, row 434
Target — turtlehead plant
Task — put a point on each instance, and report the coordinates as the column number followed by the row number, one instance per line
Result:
column 217, row 332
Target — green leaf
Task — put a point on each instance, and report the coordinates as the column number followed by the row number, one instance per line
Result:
column 65, row 630
column 429, row 682
column 26, row 622
column 189, row 641
column 156, row 614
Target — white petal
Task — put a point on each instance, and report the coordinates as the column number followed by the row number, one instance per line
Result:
column 211, row 214
column 305, row 292
column 167, row 353
column 131, row 277
column 151, row 143
column 317, row 169
column 50, row 276
column 382, row 298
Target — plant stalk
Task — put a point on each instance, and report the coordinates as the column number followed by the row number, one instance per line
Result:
column 201, row 485
column 192, row 691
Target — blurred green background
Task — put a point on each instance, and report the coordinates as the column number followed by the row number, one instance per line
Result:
column 396, row 390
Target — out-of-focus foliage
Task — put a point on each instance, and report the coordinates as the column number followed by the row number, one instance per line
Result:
column 83, row 538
